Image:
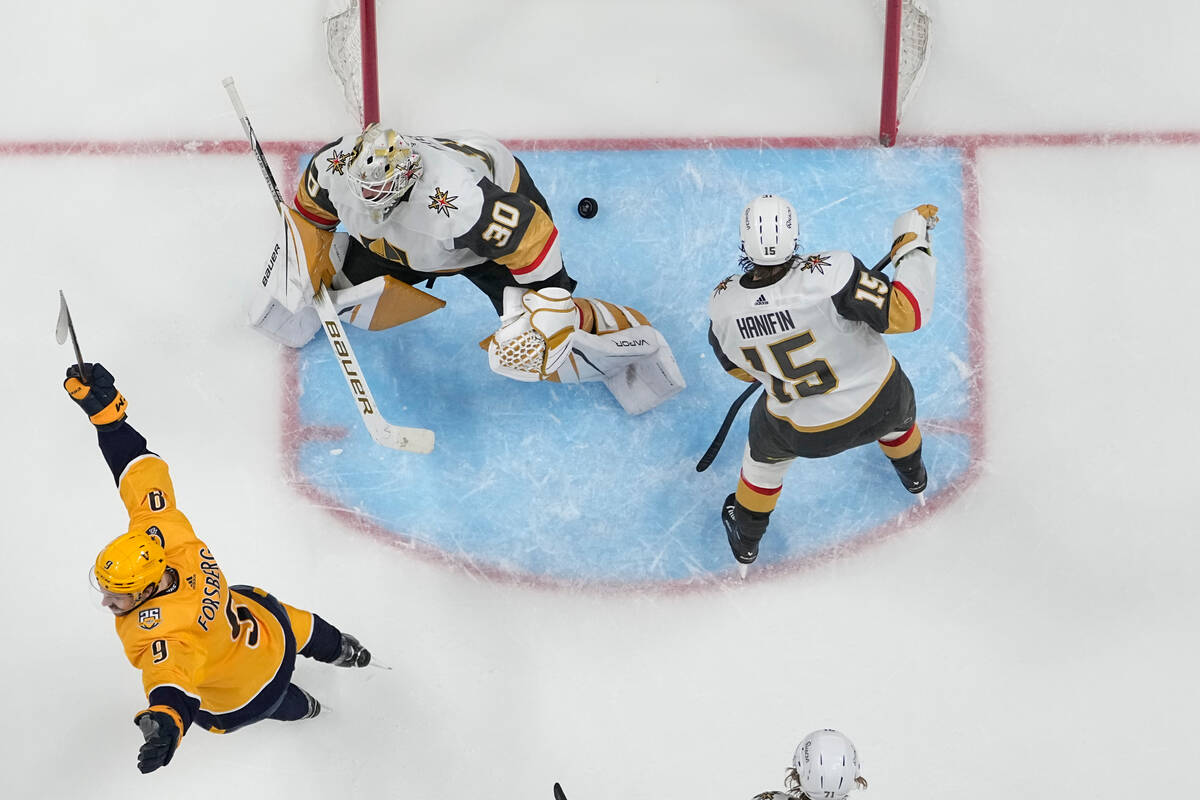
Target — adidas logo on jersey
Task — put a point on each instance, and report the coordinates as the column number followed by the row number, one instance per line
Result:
column 761, row 301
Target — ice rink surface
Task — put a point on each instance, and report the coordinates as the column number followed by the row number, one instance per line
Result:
column 1033, row 636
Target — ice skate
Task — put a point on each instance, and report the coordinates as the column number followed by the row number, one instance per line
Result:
column 911, row 470
column 744, row 550
column 353, row 654
column 314, row 706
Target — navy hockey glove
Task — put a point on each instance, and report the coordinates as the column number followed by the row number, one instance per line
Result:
column 96, row 394
column 161, row 731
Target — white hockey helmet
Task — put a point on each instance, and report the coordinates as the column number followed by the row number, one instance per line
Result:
column 769, row 231
column 383, row 166
column 826, row 765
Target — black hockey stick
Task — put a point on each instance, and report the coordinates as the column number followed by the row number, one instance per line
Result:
column 558, row 793
column 718, row 440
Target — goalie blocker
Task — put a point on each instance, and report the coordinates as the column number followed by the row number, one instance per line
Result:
column 305, row 257
column 547, row 335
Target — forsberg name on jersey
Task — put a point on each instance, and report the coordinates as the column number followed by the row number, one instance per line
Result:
column 765, row 324
column 212, row 589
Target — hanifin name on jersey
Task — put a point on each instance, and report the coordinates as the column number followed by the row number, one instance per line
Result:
column 765, row 324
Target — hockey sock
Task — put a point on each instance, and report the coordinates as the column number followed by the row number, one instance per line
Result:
column 293, row 707
column 325, row 644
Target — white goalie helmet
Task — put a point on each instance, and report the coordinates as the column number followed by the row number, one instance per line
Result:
column 826, row 765
column 769, row 230
column 383, row 166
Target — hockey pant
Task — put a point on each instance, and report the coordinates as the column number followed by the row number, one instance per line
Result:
column 774, row 444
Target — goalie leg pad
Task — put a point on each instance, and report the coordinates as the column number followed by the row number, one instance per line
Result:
column 382, row 302
column 276, row 321
column 636, row 364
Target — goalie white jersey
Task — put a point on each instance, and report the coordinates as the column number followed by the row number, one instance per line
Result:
column 467, row 207
column 812, row 335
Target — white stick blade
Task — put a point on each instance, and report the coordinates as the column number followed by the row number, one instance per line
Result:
column 64, row 319
column 410, row 440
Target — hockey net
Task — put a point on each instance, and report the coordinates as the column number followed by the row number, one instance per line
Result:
column 350, row 48
column 908, row 38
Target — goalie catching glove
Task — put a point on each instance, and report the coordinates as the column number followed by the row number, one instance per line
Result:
column 535, row 333
column 548, row 335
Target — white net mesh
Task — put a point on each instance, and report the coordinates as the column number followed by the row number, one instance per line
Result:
column 916, row 36
column 343, row 48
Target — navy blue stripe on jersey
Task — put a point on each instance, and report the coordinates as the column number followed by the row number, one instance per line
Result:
column 866, row 297
column 268, row 699
column 120, row 446
column 184, row 704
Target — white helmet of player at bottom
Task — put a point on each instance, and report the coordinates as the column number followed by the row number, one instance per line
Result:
column 769, row 230
column 826, row 765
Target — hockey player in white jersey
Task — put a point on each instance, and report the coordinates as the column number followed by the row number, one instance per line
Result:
column 415, row 208
column 824, row 767
column 809, row 328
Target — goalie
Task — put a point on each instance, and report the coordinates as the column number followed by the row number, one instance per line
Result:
column 415, row 208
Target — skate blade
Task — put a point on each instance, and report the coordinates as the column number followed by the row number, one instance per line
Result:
column 921, row 497
column 743, row 570
column 377, row 665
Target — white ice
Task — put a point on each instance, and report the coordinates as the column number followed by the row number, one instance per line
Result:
column 1037, row 638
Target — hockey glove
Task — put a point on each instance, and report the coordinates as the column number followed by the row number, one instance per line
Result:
column 162, row 733
column 96, row 394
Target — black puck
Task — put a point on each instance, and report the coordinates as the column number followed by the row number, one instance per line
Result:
column 588, row 208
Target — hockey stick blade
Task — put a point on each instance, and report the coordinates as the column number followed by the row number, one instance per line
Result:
column 718, row 440
column 66, row 329
column 410, row 440
column 558, row 793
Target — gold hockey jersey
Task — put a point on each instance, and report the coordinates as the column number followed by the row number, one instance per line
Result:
column 468, row 207
column 812, row 336
column 199, row 640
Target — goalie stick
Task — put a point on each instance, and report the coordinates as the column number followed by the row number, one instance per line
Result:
column 719, row 440
column 411, row 440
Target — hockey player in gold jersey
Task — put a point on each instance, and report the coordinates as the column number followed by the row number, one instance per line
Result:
column 415, row 208
column 212, row 654
column 809, row 328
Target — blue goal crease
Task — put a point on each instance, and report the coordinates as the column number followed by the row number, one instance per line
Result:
column 557, row 481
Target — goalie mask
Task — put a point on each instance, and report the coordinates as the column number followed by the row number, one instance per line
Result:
column 768, row 231
column 382, row 168
column 826, row 766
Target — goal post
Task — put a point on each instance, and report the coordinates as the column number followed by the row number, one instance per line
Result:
column 350, row 38
column 908, row 35
column 350, row 46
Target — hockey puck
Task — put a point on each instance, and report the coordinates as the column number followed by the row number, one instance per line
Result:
column 588, row 208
